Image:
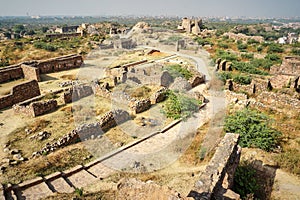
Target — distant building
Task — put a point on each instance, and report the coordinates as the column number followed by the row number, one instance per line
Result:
column 67, row 29
column 191, row 25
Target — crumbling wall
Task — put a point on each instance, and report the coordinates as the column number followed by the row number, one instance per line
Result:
column 217, row 179
column 30, row 73
column 20, row 93
column 76, row 92
column 290, row 66
column 159, row 96
column 11, row 73
column 35, row 108
column 86, row 131
column 138, row 106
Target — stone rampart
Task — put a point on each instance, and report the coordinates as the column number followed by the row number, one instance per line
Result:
column 159, row 96
column 20, row 93
column 217, row 179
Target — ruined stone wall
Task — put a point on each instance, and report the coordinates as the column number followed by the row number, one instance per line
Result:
column 290, row 66
column 59, row 64
column 11, row 73
column 87, row 131
column 20, row 93
column 76, row 92
column 30, row 73
column 217, row 179
column 35, row 108
column 159, row 96
column 138, row 106
column 63, row 35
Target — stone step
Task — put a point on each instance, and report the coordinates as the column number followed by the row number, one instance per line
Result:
column 100, row 171
column 80, row 179
column 60, row 185
column 33, row 192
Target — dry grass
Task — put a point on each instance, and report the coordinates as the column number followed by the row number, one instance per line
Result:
column 44, row 165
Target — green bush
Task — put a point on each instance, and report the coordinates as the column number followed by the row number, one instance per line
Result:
column 254, row 128
column 252, row 41
column 203, row 41
column 225, row 55
column 223, row 76
column 248, row 67
column 223, row 45
column 274, row 58
column 242, row 47
column 275, row 48
column 46, row 46
column 247, row 55
column 177, row 70
column 296, row 51
column 244, row 181
column 179, row 106
column 242, row 79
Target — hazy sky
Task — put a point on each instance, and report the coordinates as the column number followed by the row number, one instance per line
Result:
column 250, row 8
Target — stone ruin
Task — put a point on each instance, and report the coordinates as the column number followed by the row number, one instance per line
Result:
column 223, row 65
column 217, row 179
column 287, row 74
column 191, row 25
column 87, row 131
column 34, row 109
column 20, row 93
column 32, row 69
column 138, row 106
column 76, row 92
column 243, row 37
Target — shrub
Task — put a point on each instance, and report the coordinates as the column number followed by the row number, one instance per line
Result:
column 254, row 129
column 274, row 58
column 223, row 76
column 252, row 41
column 296, row 51
column 259, row 48
column 244, row 181
column 177, row 70
column 225, row 55
column 242, row 47
column 179, row 106
column 242, row 79
column 247, row 55
column 275, row 48
column 223, row 45
column 46, row 46
column 248, row 67
column 203, row 41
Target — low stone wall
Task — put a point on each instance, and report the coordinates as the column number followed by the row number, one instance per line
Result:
column 290, row 66
column 197, row 79
column 20, row 93
column 138, row 106
column 217, row 179
column 87, row 131
column 35, row 108
column 76, row 92
column 11, row 73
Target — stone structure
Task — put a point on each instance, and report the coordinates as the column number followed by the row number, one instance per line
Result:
column 290, row 66
column 11, row 73
column 138, row 106
column 67, row 29
column 191, row 25
column 32, row 69
column 159, row 96
column 217, row 179
column 34, row 109
column 123, row 43
column 76, row 92
column 243, row 37
column 87, row 131
column 63, row 35
column 20, row 93
column 196, row 79
column 223, row 65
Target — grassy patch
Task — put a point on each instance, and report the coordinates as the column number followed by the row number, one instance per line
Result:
column 177, row 70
